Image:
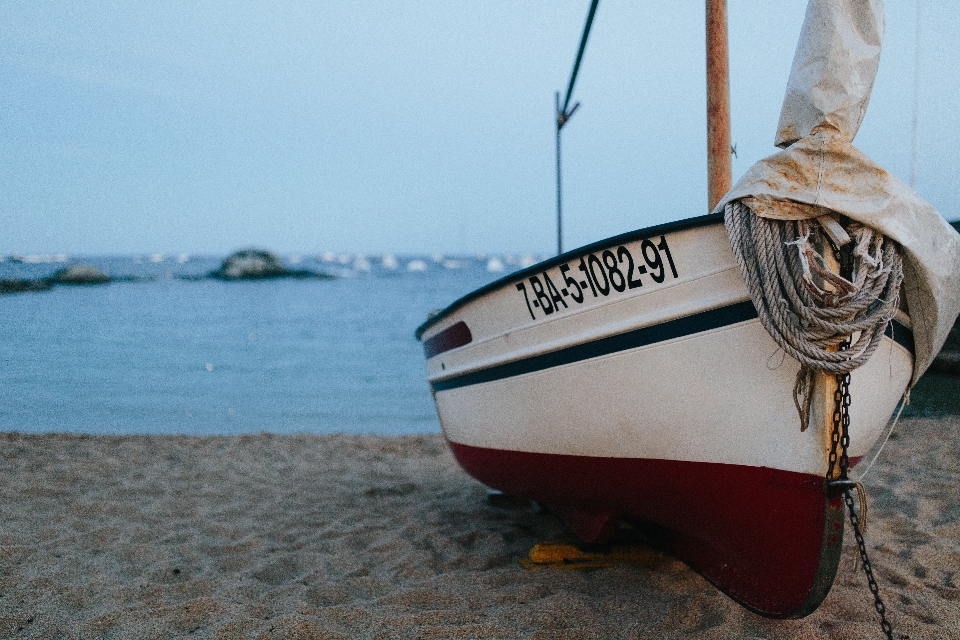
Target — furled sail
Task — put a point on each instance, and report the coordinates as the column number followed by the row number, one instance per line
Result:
column 820, row 170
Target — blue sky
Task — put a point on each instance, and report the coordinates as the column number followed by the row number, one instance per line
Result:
column 307, row 126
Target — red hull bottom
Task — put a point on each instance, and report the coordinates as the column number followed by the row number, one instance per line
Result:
column 769, row 539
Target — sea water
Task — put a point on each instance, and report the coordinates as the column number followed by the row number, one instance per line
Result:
column 162, row 353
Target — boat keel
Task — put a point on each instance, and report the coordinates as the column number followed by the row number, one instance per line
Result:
column 590, row 526
column 769, row 539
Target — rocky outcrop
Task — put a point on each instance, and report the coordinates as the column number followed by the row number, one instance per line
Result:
column 250, row 264
column 256, row 264
column 79, row 274
column 8, row 285
column 74, row 274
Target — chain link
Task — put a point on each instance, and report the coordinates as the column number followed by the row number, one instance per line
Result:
column 840, row 439
column 868, row 568
column 843, row 387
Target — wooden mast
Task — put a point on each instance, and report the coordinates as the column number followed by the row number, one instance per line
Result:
column 719, row 170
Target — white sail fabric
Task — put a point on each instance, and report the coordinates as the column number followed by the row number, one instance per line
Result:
column 820, row 170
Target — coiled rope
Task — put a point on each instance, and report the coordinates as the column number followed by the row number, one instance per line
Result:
column 808, row 309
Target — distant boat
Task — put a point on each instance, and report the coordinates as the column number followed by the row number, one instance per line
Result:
column 634, row 378
column 40, row 258
column 495, row 265
column 360, row 263
column 526, row 261
column 416, row 265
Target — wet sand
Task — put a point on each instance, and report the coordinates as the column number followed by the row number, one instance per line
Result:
column 378, row 537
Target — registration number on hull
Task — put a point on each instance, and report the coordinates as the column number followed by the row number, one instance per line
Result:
column 608, row 272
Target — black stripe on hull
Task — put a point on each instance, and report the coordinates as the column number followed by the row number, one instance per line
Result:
column 681, row 327
column 901, row 335
column 713, row 319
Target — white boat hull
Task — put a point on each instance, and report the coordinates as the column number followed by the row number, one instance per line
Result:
column 564, row 371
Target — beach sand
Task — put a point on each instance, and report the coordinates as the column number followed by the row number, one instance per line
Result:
column 269, row 536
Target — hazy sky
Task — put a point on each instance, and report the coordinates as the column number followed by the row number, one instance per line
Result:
column 314, row 125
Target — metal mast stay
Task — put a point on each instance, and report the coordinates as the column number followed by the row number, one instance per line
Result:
column 563, row 115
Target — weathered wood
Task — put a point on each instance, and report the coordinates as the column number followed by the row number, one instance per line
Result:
column 719, row 169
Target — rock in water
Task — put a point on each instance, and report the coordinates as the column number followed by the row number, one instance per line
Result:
column 256, row 264
column 250, row 264
column 79, row 274
column 20, row 286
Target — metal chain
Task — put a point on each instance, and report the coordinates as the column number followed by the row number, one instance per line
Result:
column 841, row 436
column 843, row 391
column 868, row 568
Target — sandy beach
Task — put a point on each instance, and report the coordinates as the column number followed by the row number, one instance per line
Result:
column 306, row 536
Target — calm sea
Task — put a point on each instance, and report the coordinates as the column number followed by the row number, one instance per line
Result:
column 169, row 355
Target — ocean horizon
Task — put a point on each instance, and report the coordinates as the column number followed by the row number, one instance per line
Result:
column 165, row 350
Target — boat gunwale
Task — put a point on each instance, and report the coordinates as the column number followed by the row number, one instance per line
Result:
column 629, row 236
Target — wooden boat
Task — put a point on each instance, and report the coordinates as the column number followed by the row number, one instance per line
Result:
column 632, row 378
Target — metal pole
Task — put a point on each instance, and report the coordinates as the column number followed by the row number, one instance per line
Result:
column 559, row 207
column 719, row 167
column 563, row 115
column 583, row 46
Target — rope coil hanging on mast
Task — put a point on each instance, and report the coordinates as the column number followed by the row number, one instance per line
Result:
column 807, row 308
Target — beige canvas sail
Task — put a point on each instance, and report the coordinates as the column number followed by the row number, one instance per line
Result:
column 820, row 170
